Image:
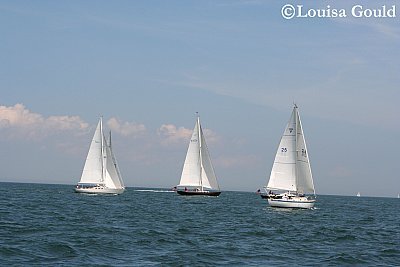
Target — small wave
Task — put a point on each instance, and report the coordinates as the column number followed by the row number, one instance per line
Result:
column 390, row 252
column 345, row 237
column 345, row 259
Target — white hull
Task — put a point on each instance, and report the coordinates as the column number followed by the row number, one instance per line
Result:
column 292, row 203
column 96, row 190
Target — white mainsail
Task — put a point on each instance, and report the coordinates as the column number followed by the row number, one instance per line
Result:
column 291, row 170
column 101, row 167
column 198, row 170
column 191, row 168
column 93, row 170
column 283, row 173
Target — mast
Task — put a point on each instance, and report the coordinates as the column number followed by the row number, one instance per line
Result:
column 296, row 146
column 109, row 142
column 102, row 151
column 200, row 145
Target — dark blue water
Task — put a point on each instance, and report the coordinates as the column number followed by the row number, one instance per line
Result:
column 48, row 225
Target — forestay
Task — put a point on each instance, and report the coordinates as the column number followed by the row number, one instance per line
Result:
column 304, row 176
column 208, row 174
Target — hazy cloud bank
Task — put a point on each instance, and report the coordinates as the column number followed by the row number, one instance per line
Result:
column 19, row 122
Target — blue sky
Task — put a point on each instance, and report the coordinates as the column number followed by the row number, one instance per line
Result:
column 148, row 66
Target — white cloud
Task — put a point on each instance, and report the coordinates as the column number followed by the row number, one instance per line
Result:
column 18, row 116
column 19, row 121
column 126, row 128
column 173, row 135
column 211, row 136
column 66, row 122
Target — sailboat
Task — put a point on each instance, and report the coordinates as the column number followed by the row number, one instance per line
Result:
column 101, row 173
column 291, row 177
column 358, row 194
column 198, row 176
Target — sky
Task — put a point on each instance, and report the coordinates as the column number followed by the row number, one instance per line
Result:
column 147, row 67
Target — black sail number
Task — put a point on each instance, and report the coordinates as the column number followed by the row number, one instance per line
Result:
column 283, row 149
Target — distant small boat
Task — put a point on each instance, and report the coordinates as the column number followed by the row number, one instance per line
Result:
column 100, row 174
column 263, row 194
column 198, row 176
column 358, row 194
column 398, row 195
column 291, row 171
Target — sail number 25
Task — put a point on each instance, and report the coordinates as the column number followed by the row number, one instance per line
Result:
column 303, row 151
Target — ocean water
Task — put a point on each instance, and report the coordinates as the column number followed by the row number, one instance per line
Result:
column 50, row 225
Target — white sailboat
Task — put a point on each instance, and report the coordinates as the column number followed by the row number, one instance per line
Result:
column 198, row 176
column 291, row 177
column 100, row 174
column 358, row 194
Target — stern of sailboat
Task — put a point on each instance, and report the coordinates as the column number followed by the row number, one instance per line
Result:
column 197, row 193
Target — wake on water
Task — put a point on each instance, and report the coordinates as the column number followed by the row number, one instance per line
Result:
column 154, row 191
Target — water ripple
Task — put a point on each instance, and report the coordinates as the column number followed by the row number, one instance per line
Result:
column 48, row 225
